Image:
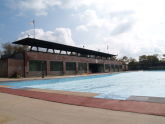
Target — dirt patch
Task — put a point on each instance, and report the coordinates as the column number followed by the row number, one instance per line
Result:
column 4, row 119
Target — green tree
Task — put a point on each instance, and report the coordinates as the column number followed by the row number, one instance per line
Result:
column 148, row 61
column 133, row 64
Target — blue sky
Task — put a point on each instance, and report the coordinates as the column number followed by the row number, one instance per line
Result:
column 129, row 27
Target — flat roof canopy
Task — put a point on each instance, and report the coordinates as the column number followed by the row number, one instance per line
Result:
column 57, row 46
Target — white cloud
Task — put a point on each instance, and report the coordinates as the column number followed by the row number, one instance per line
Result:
column 133, row 46
column 114, row 22
column 64, row 34
column 90, row 19
column 40, row 7
column 60, row 35
column 81, row 28
column 129, row 27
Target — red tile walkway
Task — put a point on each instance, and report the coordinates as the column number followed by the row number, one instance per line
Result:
column 117, row 105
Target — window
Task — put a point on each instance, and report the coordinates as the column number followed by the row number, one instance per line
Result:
column 82, row 66
column 70, row 66
column 112, row 66
column 36, row 65
column 56, row 66
column 107, row 66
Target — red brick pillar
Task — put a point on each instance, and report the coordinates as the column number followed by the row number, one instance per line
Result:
column 76, row 67
column 104, row 68
column 64, row 67
column 26, row 65
column 47, row 68
column 87, row 67
column 109, row 67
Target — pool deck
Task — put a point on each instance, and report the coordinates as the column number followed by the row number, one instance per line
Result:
column 85, row 94
column 23, row 110
column 117, row 105
column 147, row 99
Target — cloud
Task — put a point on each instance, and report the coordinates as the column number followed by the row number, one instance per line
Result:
column 60, row 35
column 134, row 47
column 113, row 22
column 129, row 27
column 122, row 28
column 81, row 28
column 40, row 7
column 90, row 20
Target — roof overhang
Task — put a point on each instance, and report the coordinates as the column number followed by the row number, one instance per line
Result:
column 57, row 46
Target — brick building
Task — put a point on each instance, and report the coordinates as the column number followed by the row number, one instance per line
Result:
column 46, row 58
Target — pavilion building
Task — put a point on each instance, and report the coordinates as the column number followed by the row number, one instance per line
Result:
column 44, row 58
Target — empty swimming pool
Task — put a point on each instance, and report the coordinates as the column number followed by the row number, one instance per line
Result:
column 112, row 86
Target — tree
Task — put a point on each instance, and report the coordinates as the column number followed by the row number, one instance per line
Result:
column 0, row 54
column 133, row 64
column 125, row 60
column 148, row 61
column 132, row 60
column 10, row 49
column 142, row 58
column 163, row 57
column 113, row 58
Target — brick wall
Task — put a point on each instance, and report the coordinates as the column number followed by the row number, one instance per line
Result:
column 3, row 68
column 52, row 57
column 58, row 57
column 15, row 67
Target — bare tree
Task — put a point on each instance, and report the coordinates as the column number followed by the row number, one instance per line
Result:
column 124, row 59
column 163, row 58
column 163, row 55
column 0, row 54
column 10, row 49
column 113, row 58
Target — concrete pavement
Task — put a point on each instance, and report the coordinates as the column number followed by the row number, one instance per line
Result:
column 22, row 110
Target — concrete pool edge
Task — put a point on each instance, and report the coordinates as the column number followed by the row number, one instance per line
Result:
column 85, row 94
column 5, row 80
column 147, row 99
column 116, row 105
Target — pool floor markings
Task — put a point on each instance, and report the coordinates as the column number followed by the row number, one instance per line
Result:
column 117, row 105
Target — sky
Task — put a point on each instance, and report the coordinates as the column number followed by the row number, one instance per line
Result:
column 121, row 27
